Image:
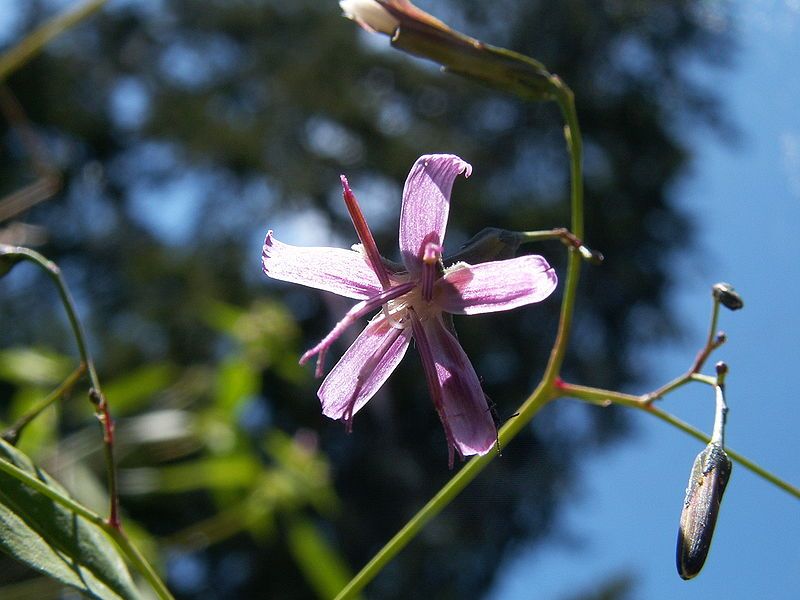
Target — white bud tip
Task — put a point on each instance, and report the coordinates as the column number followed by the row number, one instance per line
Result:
column 370, row 15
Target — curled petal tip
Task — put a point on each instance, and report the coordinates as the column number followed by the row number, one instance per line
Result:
column 265, row 252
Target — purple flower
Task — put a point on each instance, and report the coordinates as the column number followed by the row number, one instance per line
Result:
column 412, row 300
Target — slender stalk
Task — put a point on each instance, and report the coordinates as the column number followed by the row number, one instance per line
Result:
column 33, row 43
column 572, row 134
column 566, row 236
column 713, row 341
column 48, row 179
column 95, row 393
column 444, row 496
column 138, row 560
column 11, row 435
column 607, row 397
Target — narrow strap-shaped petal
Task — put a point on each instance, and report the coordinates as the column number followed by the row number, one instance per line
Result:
column 464, row 411
column 359, row 310
column 495, row 286
column 426, row 203
column 363, row 369
column 343, row 272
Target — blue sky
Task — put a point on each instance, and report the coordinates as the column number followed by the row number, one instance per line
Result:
column 745, row 201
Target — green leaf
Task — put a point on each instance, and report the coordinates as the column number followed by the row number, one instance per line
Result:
column 237, row 380
column 324, row 569
column 30, row 366
column 129, row 392
column 49, row 538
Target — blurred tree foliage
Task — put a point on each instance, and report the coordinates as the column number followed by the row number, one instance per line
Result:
column 184, row 130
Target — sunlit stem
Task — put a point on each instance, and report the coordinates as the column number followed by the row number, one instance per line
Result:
column 95, row 393
column 445, row 496
column 567, row 238
column 607, row 397
column 714, row 340
column 33, row 43
column 572, row 134
column 12, row 434
column 364, row 234
column 721, row 412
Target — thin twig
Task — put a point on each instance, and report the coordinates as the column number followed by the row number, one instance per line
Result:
column 12, row 434
column 95, row 392
column 33, row 43
column 48, row 180
column 714, row 340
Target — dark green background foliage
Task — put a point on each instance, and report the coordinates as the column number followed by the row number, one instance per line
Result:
column 256, row 108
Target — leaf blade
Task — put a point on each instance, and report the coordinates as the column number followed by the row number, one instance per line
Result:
column 52, row 540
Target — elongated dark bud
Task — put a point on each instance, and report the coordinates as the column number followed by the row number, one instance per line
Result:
column 710, row 474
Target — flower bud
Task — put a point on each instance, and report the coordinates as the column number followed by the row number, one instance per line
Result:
column 727, row 296
column 8, row 258
column 488, row 244
column 370, row 15
column 710, row 474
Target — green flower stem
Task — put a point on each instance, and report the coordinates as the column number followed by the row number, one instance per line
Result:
column 572, row 135
column 138, row 560
column 116, row 533
column 33, row 43
column 707, row 379
column 447, row 494
column 112, row 525
column 606, row 398
column 11, row 435
column 568, row 238
column 95, row 393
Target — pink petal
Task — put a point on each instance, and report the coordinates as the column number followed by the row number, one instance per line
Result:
column 363, row 369
column 495, row 286
column 464, row 411
column 426, row 202
column 359, row 310
column 343, row 272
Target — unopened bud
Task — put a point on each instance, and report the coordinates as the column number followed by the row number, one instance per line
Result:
column 593, row 256
column 489, row 244
column 8, row 258
column 710, row 474
column 727, row 296
column 370, row 15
